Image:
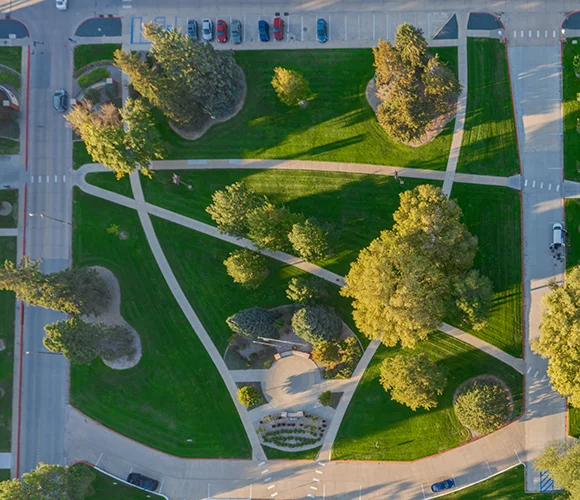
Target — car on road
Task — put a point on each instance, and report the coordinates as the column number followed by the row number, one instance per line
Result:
column 60, row 100
column 192, row 29
column 222, row 31
column 236, row 31
column 264, row 31
column 278, row 28
column 61, row 4
column 143, row 481
column 321, row 30
column 443, row 485
column 207, row 29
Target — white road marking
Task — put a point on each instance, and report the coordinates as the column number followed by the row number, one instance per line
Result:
column 272, row 486
column 526, row 183
column 39, row 179
column 558, row 188
column 55, row 179
column 536, row 374
column 322, row 464
column 273, row 495
column 546, row 34
column 345, row 37
column 64, row 178
column 329, row 27
column 529, row 369
column 538, row 33
column 47, row 179
column 544, row 378
column 264, row 471
column 522, row 33
column 315, row 479
column 554, row 34
column 423, row 490
column 534, row 184
column 310, row 495
column 515, row 34
column 488, row 467
column 301, row 28
column 542, row 185
column 261, row 463
column 268, row 479
column 550, row 186
column 32, row 179
column 244, row 28
column 373, row 26
column 530, row 33
column 359, row 27
column 314, row 488
column 125, row 6
column 318, row 471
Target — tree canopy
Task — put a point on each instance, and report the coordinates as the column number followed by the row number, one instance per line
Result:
column 413, row 380
column 122, row 140
column 413, row 87
column 249, row 396
column 562, row 460
column 308, row 240
column 559, row 339
column 291, row 86
column 402, row 284
column 483, row 407
column 246, row 267
column 253, row 323
column 316, row 324
column 305, row 291
column 269, row 226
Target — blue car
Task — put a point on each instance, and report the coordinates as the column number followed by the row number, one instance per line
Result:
column 443, row 485
column 264, row 31
column 321, row 31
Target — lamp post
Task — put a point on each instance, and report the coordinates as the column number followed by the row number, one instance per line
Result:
column 43, row 216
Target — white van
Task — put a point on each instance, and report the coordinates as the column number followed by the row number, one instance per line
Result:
column 558, row 236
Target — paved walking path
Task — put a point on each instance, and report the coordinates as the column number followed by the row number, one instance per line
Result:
column 461, row 104
column 9, row 231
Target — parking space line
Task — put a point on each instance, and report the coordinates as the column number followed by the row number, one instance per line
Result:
column 329, row 27
column 538, row 33
column 47, row 179
column 345, row 37
column 387, row 26
column 39, row 179
column 261, row 463
column 288, row 30
column 423, row 490
column 359, row 26
column 541, row 185
column 522, row 33
column 301, row 28
column 374, row 19
column 56, row 179
column 530, row 33
column 245, row 28
column 515, row 34
column 271, row 487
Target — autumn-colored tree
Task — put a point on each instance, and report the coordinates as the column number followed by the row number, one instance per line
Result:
column 246, row 267
column 291, row 86
column 269, row 226
column 562, row 461
column 308, row 240
column 483, row 407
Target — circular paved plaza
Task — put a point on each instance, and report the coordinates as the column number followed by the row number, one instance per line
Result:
column 289, row 379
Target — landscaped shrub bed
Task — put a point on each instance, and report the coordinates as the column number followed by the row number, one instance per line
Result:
column 292, row 433
column 94, row 76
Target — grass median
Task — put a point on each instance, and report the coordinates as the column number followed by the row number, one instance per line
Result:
column 571, row 109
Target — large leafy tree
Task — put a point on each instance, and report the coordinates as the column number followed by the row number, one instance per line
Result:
column 413, row 87
column 122, row 140
column 291, row 86
column 483, row 407
column 269, row 226
column 188, row 80
column 308, row 240
column 72, row 291
column 246, row 267
column 402, row 284
column 562, row 460
column 50, row 481
column 474, row 296
column 413, row 380
column 305, row 290
column 559, row 339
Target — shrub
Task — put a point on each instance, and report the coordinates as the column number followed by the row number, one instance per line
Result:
column 483, row 407
column 250, row 396
column 246, row 267
column 325, row 398
column 316, row 324
column 93, row 77
column 327, row 354
column 576, row 64
column 252, row 323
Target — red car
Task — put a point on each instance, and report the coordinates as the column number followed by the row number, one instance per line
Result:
column 278, row 28
column 222, row 31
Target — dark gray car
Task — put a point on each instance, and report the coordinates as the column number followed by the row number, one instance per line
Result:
column 192, row 29
column 59, row 100
column 236, row 31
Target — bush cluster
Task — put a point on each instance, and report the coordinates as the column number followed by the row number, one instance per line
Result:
column 338, row 358
column 483, row 407
column 250, row 396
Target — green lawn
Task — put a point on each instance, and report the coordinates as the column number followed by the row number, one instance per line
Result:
column 506, row 486
column 493, row 215
column 9, row 147
column 7, row 315
column 175, row 393
column 338, row 125
column 10, row 78
column 86, row 54
column 11, row 196
column 274, row 454
column 107, row 488
column 570, row 110
column 489, row 144
column 402, row 434
column 11, row 57
column 80, row 155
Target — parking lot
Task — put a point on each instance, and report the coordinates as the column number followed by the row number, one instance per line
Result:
column 348, row 29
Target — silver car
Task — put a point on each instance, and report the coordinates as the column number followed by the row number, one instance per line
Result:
column 59, row 100
column 207, row 29
column 192, row 29
column 236, row 31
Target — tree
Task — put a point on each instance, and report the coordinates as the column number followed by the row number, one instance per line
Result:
column 305, row 291
column 483, row 407
column 327, row 354
column 413, row 87
column 325, row 398
column 291, row 86
column 249, row 396
column 316, row 324
column 269, row 225
column 474, row 295
column 188, row 80
column 246, row 267
column 308, row 240
column 253, row 323
column 413, row 380
column 562, row 461
column 50, row 481
column 122, row 140
column 230, row 208
column 82, row 342
column 72, row 291
column 559, row 339
column 402, row 283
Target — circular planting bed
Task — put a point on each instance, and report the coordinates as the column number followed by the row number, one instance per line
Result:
column 292, row 433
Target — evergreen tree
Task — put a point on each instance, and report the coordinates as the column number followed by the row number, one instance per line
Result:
column 253, row 323
column 316, row 324
column 305, row 291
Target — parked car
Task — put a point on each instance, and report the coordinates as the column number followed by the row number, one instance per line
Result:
column 60, row 100
column 278, row 28
column 321, row 30
column 143, row 481
column 264, row 31
column 207, row 29
column 236, row 31
column 192, row 29
column 61, row 4
column 443, row 485
column 222, row 31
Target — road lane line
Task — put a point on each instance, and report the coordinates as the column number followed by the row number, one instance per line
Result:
column 550, row 186
column 39, row 179
column 318, row 472
column 47, row 179
column 264, row 471
column 271, row 487
column 315, row 479
column 359, row 26
column 261, row 463
column 268, row 479
column 329, row 27
column 273, row 495
column 64, row 178
column 542, row 185
column 322, row 464
column 558, row 188
column 55, row 179
column 314, row 488
column 534, row 184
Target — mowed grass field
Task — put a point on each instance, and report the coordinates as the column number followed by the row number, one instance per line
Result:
column 570, row 110
column 175, row 393
column 337, row 125
column 489, row 144
column 86, row 54
column 377, row 428
column 107, row 488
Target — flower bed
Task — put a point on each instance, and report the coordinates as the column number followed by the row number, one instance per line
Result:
column 292, row 433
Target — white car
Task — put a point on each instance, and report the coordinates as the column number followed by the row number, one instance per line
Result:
column 558, row 233
column 61, row 4
column 207, row 29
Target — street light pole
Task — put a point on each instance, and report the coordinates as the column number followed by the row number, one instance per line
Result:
column 43, row 216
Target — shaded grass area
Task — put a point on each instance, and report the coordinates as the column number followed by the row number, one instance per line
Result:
column 399, row 432
column 86, row 54
column 4, row 474
column 80, row 155
column 508, row 485
column 493, row 215
column 107, row 488
column 274, row 454
column 108, row 181
column 7, row 316
column 197, row 261
column 10, row 79
column 489, row 144
column 9, row 147
column 175, row 392
column 570, row 110
column 11, row 57
column 338, row 125
column 11, row 196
